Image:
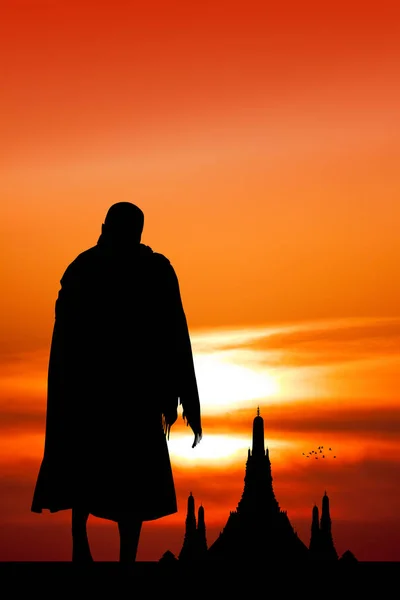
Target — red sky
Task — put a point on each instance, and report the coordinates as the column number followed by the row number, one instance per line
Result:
column 262, row 143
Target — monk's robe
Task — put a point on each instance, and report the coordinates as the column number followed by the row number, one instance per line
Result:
column 120, row 363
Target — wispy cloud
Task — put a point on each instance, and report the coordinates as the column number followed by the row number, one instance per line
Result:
column 313, row 417
column 344, row 358
column 320, row 341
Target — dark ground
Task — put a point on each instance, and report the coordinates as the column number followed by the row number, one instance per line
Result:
column 145, row 579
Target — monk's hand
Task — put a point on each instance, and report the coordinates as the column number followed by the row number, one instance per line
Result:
column 194, row 421
column 197, row 437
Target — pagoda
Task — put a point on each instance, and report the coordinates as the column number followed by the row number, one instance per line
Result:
column 258, row 529
column 321, row 545
column 195, row 541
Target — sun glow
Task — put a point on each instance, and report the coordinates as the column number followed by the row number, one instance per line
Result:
column 211, row 448
column 224, row 383
column 217, row 448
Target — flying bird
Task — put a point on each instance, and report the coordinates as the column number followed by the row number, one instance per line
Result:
column 315, row 452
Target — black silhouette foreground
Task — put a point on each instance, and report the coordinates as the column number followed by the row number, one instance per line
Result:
column 258, row 530
column 120, row 363
column 258, row 527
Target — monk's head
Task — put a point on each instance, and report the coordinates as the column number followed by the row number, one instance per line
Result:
column 124, row 221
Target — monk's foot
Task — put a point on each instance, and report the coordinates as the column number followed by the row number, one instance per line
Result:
column 82, row 558
column 81, row 552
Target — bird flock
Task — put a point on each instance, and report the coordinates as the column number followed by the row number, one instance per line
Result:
column 319, row 451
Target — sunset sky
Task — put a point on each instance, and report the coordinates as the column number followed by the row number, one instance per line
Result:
column 262, row 142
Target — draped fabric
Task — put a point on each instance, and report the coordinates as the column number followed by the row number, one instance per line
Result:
column 120, row 362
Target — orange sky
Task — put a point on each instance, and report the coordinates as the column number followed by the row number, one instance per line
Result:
column 262, row 144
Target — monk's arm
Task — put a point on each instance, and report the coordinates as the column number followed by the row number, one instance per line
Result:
column 186, row 376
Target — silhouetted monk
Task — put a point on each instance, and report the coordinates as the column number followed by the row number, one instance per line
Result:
column 120, row 363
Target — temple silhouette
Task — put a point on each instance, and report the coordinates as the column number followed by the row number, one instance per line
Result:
column 258, row 529
column 321, row 542
column 195, row 541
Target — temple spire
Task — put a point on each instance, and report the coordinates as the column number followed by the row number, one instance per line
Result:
column 315, row 532
column 189, row 547
column 258, row 435
column 327, row 545
column 201, row 534
column 258, row 529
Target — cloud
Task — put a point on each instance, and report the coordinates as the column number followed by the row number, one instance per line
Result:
column 319, row 416
column 335, row 344
column 309, row 343
column 17, row 418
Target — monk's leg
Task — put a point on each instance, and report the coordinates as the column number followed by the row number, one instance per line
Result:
column 80, row 543
column 129, row 533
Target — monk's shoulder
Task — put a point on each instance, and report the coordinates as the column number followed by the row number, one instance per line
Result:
column 161, row 261
column 81, row 264
column 163, row 268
